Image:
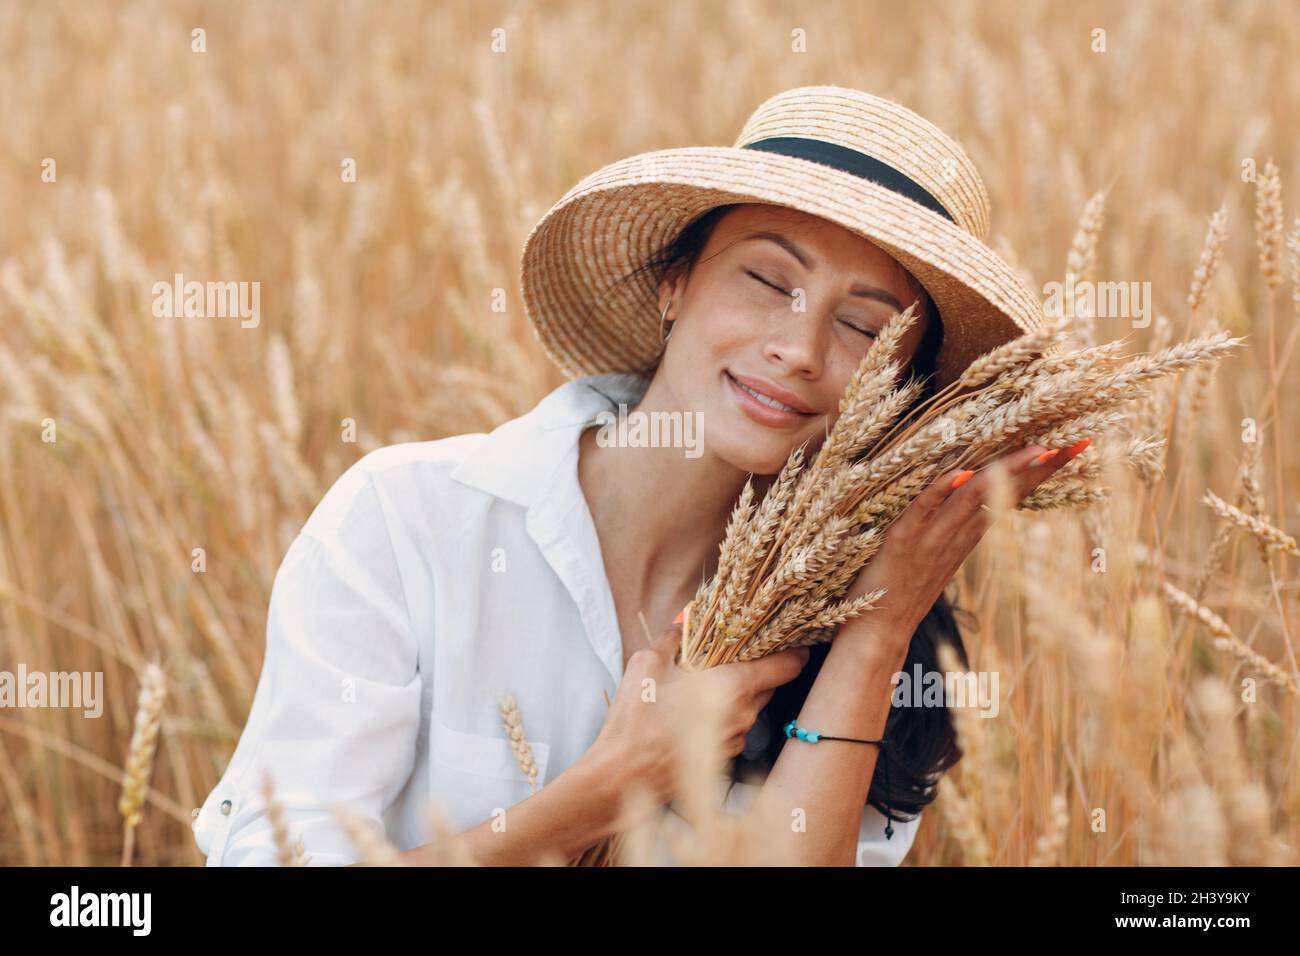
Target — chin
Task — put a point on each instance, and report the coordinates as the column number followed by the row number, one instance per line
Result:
column 755, row 453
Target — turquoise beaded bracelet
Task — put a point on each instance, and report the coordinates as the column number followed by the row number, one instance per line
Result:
column 813, row 736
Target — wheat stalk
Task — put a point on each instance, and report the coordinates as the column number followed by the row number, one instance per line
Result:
column 1214, row 556
column 1211, row 253
column 1081, row 261
column 1252, row 659
column 1270, row 223
column 1048, row 847
column 370, row 842
column 1274, row 538
column 287, row 851
column 280, row 373
column 513, row 722
column 964, row 823
column 140, row 754
column 1293, row 255
column 604, row 852
column 446, row 847
column 785, row 562
column 1226, row 640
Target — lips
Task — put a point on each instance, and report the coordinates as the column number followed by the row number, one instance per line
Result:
column 768, row 392
column 767, row 404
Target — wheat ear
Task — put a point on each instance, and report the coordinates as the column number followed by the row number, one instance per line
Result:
column 1048, row 848
column 1211, row 253
column 370, row 843
column 1270, row 224
column 1226, row 640
column 139, row 760
column 514, row 724
column 287, row 852
column 1275, row 538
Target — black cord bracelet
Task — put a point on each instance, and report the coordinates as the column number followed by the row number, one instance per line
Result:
column 813, row 736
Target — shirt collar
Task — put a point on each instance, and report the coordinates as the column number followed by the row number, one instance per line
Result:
column 532, row 461
column 519, row 456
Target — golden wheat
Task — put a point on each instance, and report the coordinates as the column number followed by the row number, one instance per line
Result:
column 140, row 754
column 394, row 299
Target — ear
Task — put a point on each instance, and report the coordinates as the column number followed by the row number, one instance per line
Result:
column 673, row 284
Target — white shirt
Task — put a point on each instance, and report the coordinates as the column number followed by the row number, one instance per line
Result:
column 431, row 580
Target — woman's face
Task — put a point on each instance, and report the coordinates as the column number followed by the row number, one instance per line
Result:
column 787, row 304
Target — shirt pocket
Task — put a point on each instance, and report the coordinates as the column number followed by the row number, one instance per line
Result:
column 475, row 776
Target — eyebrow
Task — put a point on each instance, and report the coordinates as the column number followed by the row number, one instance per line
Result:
column 859, row 289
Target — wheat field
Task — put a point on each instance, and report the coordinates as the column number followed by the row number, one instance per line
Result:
column 1146, row 647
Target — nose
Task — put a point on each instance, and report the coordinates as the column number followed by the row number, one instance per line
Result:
column 796, row 344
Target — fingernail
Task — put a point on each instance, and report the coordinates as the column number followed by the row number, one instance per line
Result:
column 1079, row 446
column 681, row 616
column 1047, row 456
column 962, row 478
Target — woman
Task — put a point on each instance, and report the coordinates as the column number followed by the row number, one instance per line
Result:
column 739, row 285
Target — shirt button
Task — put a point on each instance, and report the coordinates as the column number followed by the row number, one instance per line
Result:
column 225, row 808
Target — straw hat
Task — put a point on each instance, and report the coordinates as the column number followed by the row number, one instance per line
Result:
column 863, row 162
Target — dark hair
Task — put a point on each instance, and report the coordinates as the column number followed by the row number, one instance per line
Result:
column 922, row 741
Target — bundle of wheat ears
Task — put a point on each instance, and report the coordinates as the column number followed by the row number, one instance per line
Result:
column 786, row 563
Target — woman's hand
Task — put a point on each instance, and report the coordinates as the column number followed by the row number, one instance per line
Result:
column 642, row 730
column 925, row 546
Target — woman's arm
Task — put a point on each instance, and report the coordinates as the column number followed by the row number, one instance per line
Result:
column 581, row 806
column 829, row 780
column 569, row 814
column 636, row 748
column 335, row 716
column 851, row 697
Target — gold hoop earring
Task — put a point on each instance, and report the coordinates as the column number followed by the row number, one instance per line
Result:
column 662, row 316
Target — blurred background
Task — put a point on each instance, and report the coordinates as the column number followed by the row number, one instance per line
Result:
column 214, row 140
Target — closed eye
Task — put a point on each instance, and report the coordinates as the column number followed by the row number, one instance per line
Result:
column 772, row 285
column 867, row 332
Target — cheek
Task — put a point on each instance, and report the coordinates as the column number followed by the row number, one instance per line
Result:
column 714, row 338
column 721, row 328
column 730, row 313
column 841, row 365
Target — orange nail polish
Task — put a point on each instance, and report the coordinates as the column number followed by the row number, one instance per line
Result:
column 681, row 616
column 962, row 478
column 1047, row 456
column 1080, row 446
